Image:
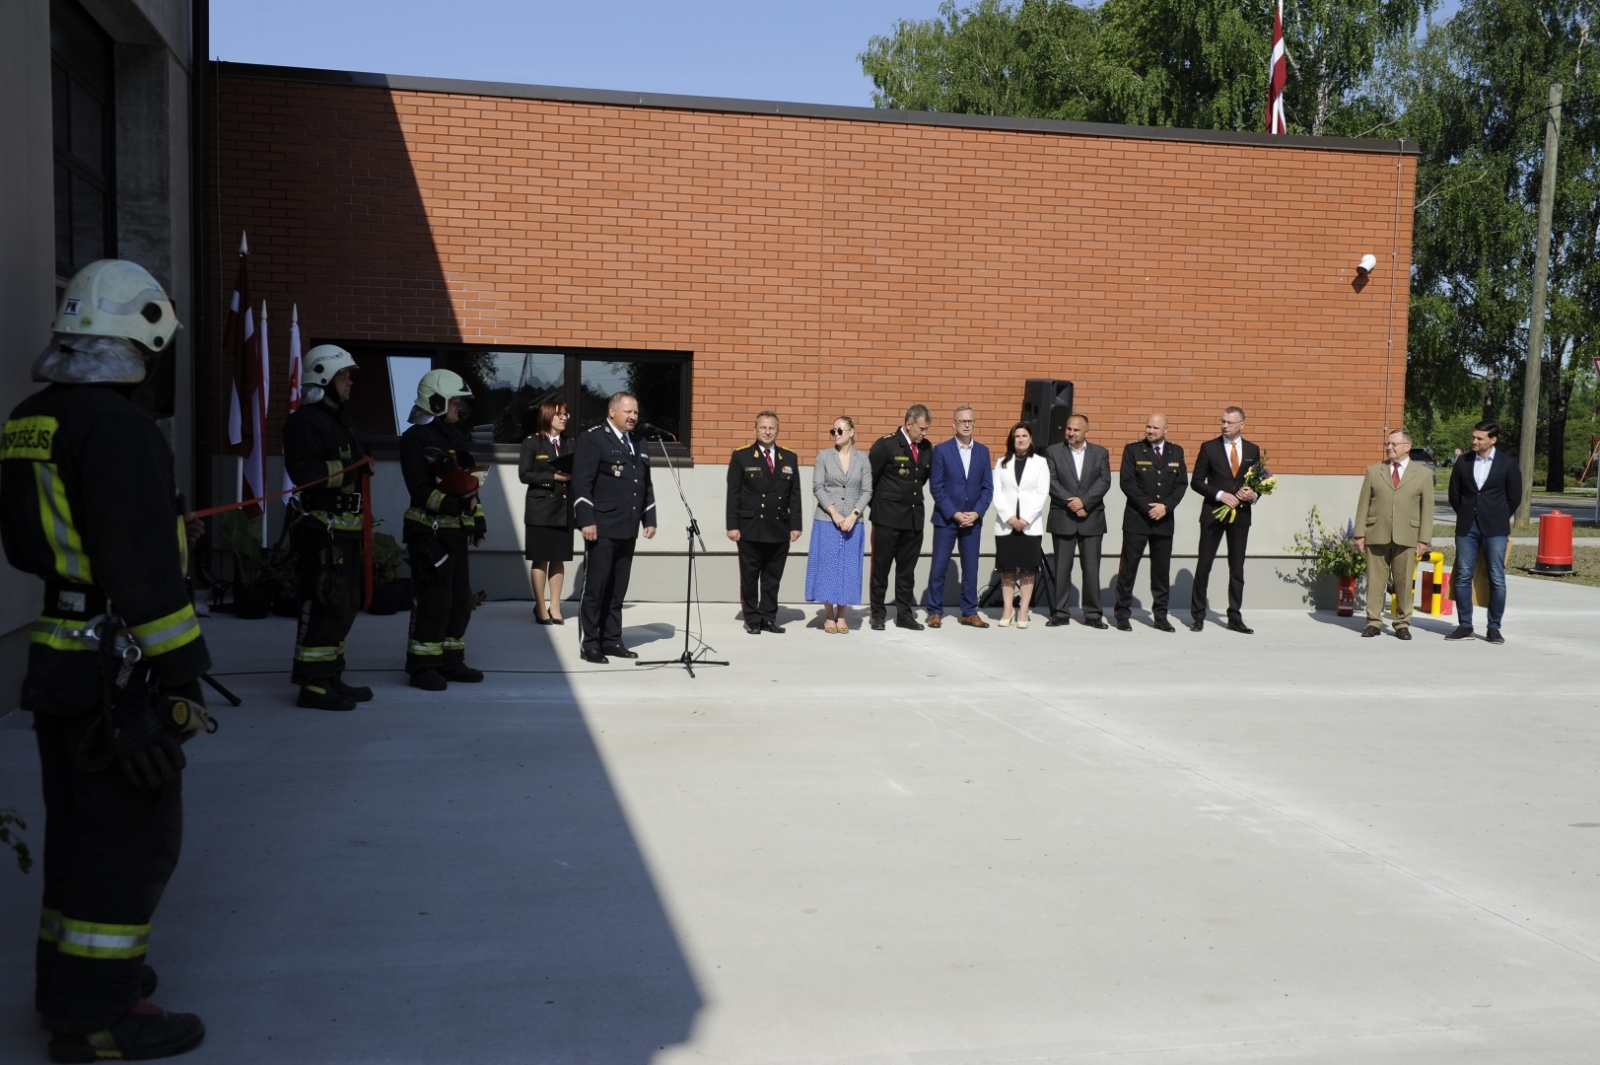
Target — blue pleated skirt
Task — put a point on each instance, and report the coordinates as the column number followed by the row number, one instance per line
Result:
column 833, row 568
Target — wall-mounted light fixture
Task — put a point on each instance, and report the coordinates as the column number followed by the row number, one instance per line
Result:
column 1367, row 265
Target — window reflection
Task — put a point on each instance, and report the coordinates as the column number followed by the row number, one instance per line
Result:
column 659, row 386
column 508, row 388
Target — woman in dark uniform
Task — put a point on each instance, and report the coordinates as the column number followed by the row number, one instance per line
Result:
column 548, row 513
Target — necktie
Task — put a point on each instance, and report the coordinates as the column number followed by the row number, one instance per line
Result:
column 1397, row 475
column 768, row 452
column 913, row 453
column 1233, row 457
column 1158, row 451
column 555, row 442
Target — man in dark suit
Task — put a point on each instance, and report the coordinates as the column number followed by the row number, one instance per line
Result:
column 963, row 487
column 612, row 498
column 1484, row 493
column 763, row 519
column 1218, row 480
column 901, row 464
column 1154, row 479
column 1080, row 477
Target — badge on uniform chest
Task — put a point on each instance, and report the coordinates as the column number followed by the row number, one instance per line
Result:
column 616, row 469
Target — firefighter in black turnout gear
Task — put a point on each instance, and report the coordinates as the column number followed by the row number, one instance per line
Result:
column 88, row 503
column 328, row 527
column 444, row 516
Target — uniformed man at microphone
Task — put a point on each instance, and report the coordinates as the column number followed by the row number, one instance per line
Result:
column 764, row 518
column 612, row 498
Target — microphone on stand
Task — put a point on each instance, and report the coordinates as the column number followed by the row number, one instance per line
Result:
column 660, row 432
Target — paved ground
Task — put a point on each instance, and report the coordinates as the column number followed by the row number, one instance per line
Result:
column 932, row 848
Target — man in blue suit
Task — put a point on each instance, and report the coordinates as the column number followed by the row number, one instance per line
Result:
column 963, row 486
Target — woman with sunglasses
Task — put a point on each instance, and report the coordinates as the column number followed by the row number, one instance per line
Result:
column 842, row 483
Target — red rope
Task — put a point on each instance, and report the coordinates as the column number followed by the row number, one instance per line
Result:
column 365, row 503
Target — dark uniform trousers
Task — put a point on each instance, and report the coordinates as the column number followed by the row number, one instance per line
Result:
column 441, row 607
column 1133, row 546
column 899, row 548
column 109, row 850
column 1088, row 549
column 761, row 564
column 607, row 566
column 332, row 587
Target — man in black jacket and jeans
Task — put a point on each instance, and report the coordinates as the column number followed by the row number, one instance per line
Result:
column 1484, row 492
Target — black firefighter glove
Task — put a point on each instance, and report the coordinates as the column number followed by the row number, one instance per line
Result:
column 145, row 737
column 480, row 528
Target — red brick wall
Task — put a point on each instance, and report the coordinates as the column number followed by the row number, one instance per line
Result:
column 819, row 267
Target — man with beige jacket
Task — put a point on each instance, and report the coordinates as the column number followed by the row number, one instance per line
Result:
column 1394, row 524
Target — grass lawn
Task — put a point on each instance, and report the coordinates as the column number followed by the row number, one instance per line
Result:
column 1585, row 562
column 1444, row 531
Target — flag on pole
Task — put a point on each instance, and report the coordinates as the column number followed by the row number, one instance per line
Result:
column 238, row 341
column 1277, row 78
column 293, row 400
column 255, row 465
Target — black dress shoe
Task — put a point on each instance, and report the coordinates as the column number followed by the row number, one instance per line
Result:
column 1460, row 632
column 875, row 624
column 752, row 628
column 1163, row 625
column 1375, row 630
column 1057, row 623
column 1403, row 633
column 1238, row 625
column 769, row 626
column 906, row 621
column 1493, row 636
column 1196, row 626
column 1097, row 623
column 1123, row 625
column 617, row 650
column 597, row 657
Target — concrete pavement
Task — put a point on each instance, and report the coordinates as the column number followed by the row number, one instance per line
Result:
column 936, row 847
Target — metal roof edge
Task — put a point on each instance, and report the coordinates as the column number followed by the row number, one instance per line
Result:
column 671, row 102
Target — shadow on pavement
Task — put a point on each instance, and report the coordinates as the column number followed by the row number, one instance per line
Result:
column 431, row 878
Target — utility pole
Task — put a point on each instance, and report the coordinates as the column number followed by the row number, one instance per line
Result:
column 1541, row 277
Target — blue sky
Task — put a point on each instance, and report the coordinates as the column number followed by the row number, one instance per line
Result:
column 753, row 49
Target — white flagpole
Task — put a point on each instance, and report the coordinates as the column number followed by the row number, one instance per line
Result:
column 260, row 455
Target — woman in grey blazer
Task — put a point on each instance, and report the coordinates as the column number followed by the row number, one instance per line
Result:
column 842, row 483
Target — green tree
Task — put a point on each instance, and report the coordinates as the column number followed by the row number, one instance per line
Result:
column 1474, row 94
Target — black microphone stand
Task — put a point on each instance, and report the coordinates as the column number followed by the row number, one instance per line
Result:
column 687, row 659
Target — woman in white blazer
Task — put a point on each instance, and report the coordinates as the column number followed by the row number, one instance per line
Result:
column 1021, row 491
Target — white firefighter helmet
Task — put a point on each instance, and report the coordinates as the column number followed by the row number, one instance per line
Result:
column 117, row 298
column 437, row 388
column 322, row 364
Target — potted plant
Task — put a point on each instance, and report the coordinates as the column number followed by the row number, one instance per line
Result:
column 1330, row 553
column 243, row 538
column 389, row 593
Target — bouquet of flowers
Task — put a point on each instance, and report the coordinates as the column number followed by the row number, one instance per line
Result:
column 1329, row 552
column 1259, row 480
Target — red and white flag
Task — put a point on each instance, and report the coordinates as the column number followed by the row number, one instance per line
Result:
column 293, row 401
column 255, row 467
column 238, row 343
column 1277, row 78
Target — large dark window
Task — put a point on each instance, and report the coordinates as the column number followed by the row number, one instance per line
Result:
column 509, row 385
column 81, row 80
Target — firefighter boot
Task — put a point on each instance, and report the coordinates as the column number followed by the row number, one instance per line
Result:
column 321, row 695
column 360, row 693
column 145, row 1032
column 460, row 671
column 428, row 680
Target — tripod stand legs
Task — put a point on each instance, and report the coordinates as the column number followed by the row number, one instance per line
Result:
column 686, row 659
